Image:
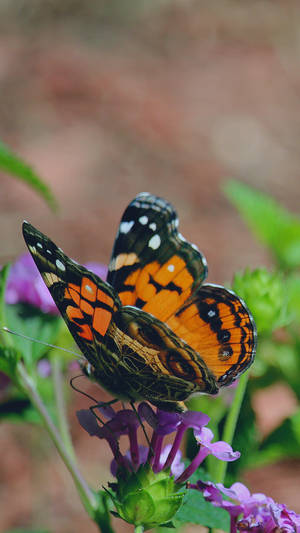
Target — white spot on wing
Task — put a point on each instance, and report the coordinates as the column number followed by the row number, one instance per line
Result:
column 143, row 220
column 60, row 265
column 211, row 313
column 171, row 268
column 154, row 242
column 39, row 244
column 88, row 288
column 125, row 227
column 152, row 226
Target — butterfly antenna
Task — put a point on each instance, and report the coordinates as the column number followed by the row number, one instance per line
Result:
column 31, row 339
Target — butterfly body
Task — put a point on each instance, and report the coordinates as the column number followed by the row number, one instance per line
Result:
column 151, row 331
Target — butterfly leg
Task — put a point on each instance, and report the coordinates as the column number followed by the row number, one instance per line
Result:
column 143, row 427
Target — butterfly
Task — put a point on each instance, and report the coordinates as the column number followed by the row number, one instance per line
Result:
column 152, row 331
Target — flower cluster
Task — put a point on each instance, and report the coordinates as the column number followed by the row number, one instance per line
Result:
column 253, row 513
column 126, row 422
column 25, row 284
column 148, row 476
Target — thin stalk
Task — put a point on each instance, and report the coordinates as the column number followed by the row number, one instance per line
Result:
column 139, row 529
column 230, row 424
column 63, row 425
column 87, row 497
column 7, row 341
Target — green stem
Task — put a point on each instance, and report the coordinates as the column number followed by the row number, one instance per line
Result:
column 5, row 337
column 230, row 424
column 87, row 497
column 61, row 407
column 139, row 529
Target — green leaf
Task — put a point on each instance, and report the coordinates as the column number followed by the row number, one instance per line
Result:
column 245, row 438
column 197, row 511
column 284, row 441
column 8, row 360
column 265, row 294
column 14, row 165
column 30, row 321
column 293, row 292
column 271, row 223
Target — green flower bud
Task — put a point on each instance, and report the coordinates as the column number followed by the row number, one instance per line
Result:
column 146, row 499
column 264, row 294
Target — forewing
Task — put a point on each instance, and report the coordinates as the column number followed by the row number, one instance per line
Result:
column 152, row 266
column 218, row 325
column 85, row 301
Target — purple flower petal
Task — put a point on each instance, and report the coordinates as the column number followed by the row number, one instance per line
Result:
column 253, row 513
column 89, row 422
column 107, row 411
column 220, row 449
column 146, row 413
column 194, row 419
column 224, row 451
column 167, row 422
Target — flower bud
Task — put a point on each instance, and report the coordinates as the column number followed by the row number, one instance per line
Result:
column 145, row 498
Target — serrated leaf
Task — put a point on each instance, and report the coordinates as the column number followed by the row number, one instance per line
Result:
column 14, row 165
column 198, row 511
column 272, row 224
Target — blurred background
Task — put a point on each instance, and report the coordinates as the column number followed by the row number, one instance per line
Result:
column 110, row 98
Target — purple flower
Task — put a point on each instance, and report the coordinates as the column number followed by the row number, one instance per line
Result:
column 126, row 422
column 25, row 284
column 219, row 449
column 253, row 513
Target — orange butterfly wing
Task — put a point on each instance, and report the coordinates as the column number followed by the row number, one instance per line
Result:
column 218, row 325
column 152, row 266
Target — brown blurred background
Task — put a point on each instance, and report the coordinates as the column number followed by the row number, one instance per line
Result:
column 106, row 99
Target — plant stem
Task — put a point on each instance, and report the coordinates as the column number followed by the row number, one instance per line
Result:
column 5, row 338
column 139, row 529
column 87, row 497
column 230, row 424
column 60, row 406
